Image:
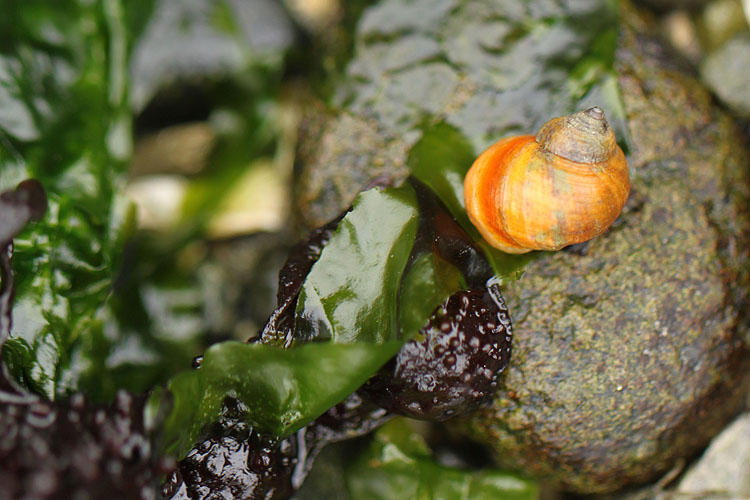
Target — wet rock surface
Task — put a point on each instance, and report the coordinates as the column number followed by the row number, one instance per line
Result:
column 633, row 351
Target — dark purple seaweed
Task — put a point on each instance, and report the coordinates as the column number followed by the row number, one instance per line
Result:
column 453, row 364
column 73, row 449
column 234, row 460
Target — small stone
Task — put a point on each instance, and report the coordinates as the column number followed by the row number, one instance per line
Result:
column 725, row 466
column 726, row 72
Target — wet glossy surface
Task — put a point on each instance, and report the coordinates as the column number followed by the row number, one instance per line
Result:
column 73, row 449
column 279, row 328
column 454, row 363
column 448, row 369
column 236, row 461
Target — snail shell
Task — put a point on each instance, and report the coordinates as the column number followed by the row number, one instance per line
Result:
column 564, row 186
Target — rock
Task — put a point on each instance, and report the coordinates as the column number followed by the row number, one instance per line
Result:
column 726, row 73
column 340, row 157
column 632, row 352
column 725, row 466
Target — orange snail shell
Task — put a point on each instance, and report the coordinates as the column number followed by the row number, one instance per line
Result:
column 566, row 185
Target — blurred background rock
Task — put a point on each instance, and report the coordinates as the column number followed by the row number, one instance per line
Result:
column 714, row 35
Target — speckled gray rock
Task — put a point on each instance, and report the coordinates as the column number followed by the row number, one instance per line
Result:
column 635, row 352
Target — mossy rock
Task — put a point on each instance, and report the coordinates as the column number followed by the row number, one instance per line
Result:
column 631, row 352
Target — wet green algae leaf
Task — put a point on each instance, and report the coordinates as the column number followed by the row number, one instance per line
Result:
column 427, row 283
column 398, row 465
column 349, row 322
column 351, row 293
column 284, row 389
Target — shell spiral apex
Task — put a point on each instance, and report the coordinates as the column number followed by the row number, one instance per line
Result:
column 565, row 185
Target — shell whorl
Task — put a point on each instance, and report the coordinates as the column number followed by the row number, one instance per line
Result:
column 583, row 137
